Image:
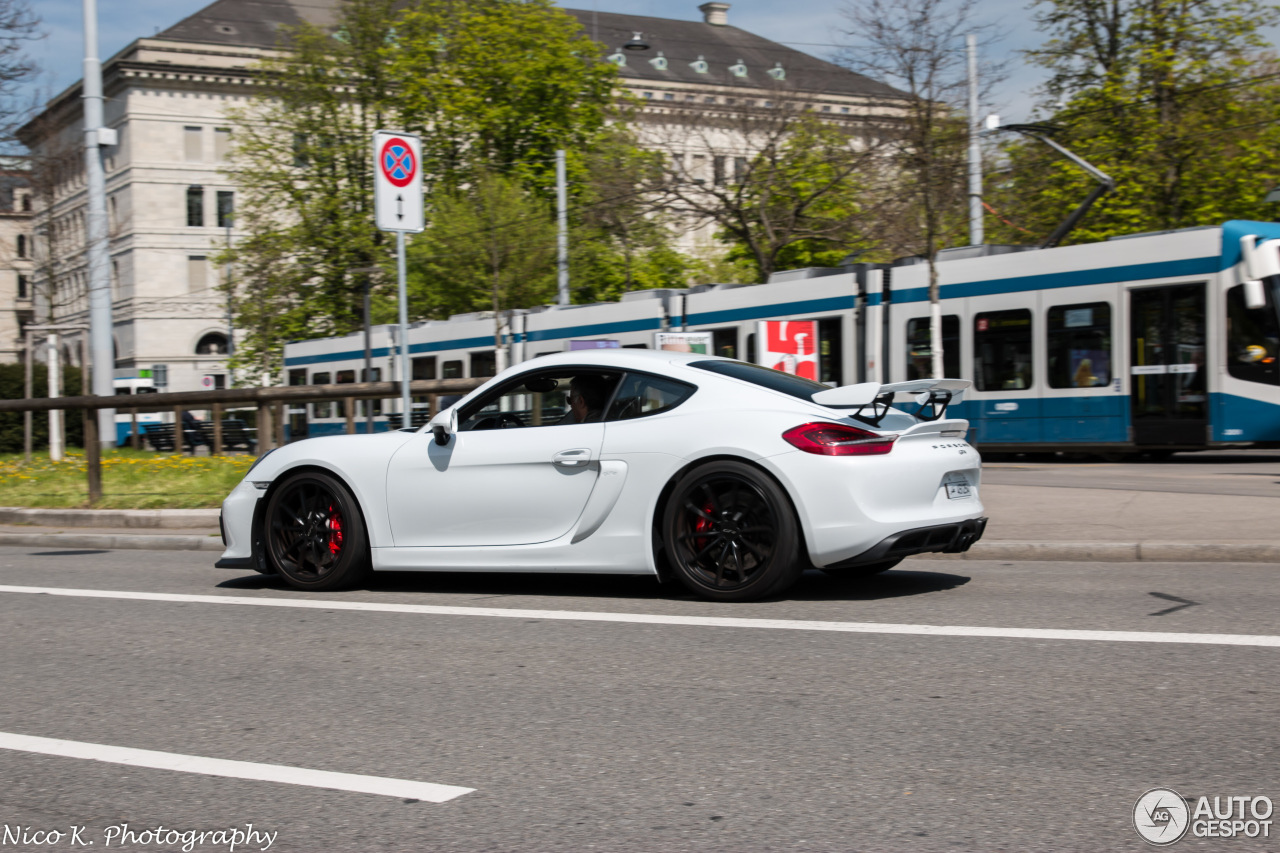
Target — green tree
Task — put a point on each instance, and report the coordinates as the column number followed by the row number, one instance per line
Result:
column 1175, row 100
column 800, row 194
column 489, row 247
column 302, row 162
column 621, row 237
column 499, row 84
column 493, row 85
column 917, row 45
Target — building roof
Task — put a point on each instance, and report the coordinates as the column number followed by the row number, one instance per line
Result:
column 685, row 45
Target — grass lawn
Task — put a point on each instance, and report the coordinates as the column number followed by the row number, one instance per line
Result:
column 131, row 479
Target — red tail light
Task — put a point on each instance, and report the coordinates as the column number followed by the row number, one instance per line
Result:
column 828, row 439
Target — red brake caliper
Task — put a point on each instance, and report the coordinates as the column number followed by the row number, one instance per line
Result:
column 335, row 531
column 702, row 525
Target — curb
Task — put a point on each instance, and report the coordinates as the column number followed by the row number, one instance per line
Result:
column 171, row 519
column 1074, row 552
column 1119, row 552
column 113, row 542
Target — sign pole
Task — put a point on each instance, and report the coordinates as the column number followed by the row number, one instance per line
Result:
column 398, row 207
column 404, row 332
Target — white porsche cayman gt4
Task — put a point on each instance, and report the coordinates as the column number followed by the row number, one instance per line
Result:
column 727, row 476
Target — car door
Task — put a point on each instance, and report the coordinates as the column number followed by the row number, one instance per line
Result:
column 518, row 471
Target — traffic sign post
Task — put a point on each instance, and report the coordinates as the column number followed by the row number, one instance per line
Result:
column 397, row 205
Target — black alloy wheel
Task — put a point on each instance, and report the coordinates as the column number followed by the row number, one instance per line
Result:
column 730, row 533
column 315, row 535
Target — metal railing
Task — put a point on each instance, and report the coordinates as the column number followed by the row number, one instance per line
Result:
column 269, row 402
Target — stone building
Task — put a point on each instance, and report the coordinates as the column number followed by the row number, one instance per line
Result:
column 16, row 247
column 168, row 97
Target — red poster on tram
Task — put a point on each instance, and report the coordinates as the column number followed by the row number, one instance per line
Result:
column 790, row 346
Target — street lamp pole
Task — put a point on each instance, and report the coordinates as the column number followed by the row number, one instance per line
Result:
column 95, row 135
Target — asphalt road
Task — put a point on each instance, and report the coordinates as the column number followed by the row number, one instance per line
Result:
column 1253, row 473
column 625, row 736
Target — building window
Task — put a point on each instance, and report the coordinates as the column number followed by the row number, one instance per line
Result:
column 646, row 95
column 668, row 96
column 920, row 347
column 826, row 109
column 215, row 343
column 226, row 208
column 193, row 144
column 1079, row 345
column 197, row 273
column 26, row 203
column 844, row 110
column 22, row 245
column 1002, row 350
column 221, row 143
column 739, row 169
column 22, row 287
column 709, row 99
column 195, row 207
column 717, row 168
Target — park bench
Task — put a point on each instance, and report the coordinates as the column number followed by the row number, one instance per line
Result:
column 236, row 435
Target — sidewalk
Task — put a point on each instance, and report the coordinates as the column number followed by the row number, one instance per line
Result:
column 1027, row 523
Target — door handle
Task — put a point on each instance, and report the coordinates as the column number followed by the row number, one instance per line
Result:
column 575, row 458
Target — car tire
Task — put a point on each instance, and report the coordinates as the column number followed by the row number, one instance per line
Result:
column 864, row 571
column 314, row 533
column 730, row 534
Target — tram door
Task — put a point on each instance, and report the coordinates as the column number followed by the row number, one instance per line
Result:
column 1167, row 359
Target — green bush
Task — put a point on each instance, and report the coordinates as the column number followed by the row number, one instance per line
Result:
column 11, row 385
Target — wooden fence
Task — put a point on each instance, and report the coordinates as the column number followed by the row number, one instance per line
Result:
column 270, row 404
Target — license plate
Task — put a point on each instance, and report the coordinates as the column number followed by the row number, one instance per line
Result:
column 958, row 490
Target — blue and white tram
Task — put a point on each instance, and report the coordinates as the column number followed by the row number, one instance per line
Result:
column 1138, row 343
column 1150, row 343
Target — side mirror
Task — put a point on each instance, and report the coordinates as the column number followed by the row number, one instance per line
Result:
column 443, row 425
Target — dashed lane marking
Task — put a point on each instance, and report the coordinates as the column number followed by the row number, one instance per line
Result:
column 404, row 788
column 655, row 619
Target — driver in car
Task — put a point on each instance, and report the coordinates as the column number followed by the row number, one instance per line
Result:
column 587, row 397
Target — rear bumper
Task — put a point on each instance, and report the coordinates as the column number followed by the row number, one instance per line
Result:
column 944, row 538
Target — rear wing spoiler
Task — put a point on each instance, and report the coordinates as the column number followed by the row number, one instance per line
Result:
column 932, row 396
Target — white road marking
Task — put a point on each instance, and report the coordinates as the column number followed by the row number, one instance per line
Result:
column 383, row 786
column 655, row 619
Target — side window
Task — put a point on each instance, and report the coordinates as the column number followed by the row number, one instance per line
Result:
column 544, row 398
column 1253, row 339
column 452, row 370
column 920, row 348
column 642, row 394
column 725, row 342
column 1079, row 342
column 1002, row 350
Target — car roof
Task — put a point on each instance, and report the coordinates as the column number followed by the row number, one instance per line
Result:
column 619, row 359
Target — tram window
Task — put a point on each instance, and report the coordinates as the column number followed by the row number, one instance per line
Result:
column 1080, row 345
column 830, row 345
column 343, row 377
column 424, row 367
column 452, row 370
column 484, row 364
column 1002, row 350
column 1253, row 339
column 362, row 406
column 751, row 348
column 321, row 409
column 725, row 342
column 920, row 352
column 298, row 377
